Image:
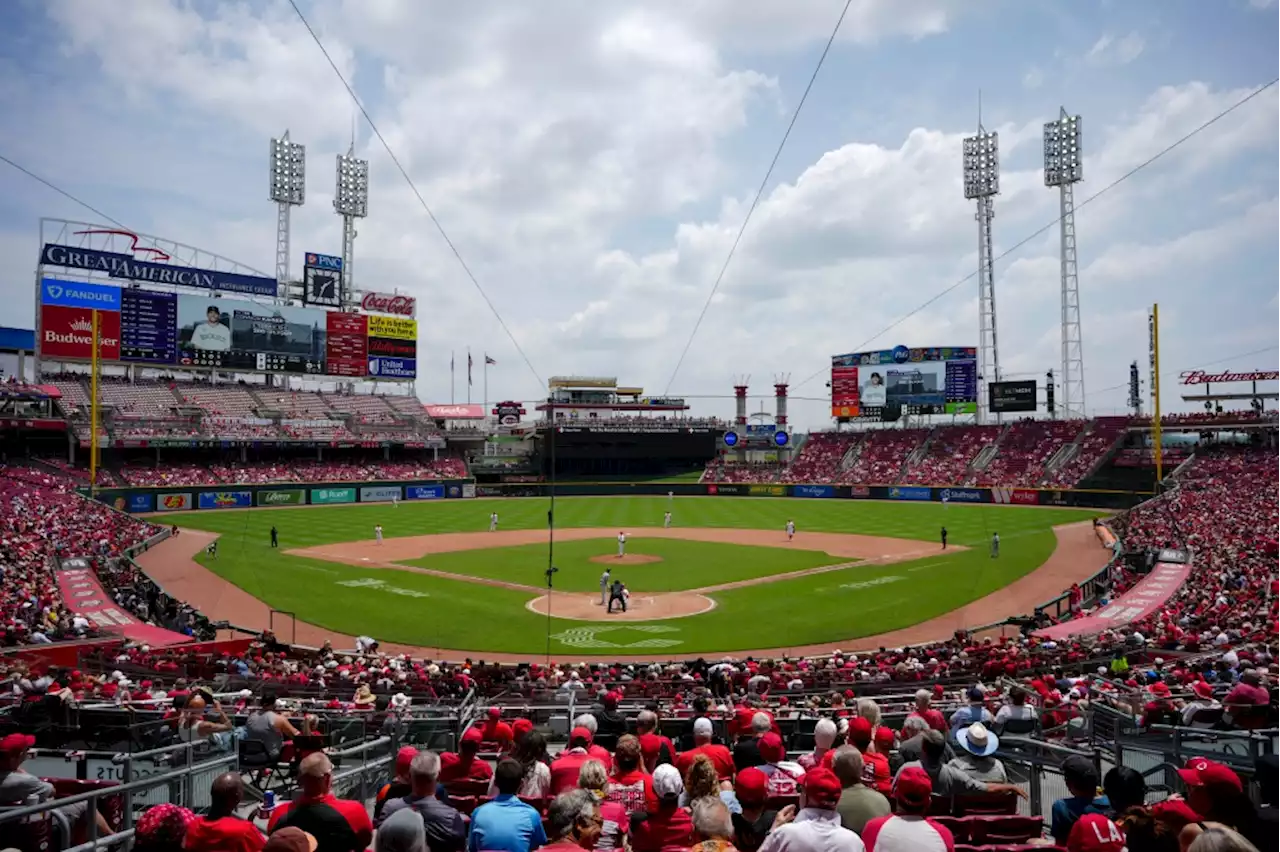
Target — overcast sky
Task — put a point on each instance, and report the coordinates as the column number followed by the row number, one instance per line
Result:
column 592, row 162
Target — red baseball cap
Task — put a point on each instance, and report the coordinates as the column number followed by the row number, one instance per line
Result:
column 1160, row 688
column 16, row 742
column 771, row 748
column 1205, row 773
column 650, row 745
column 751, row 786
column 580, row 734
column 821, row 788
column 404, row 757
column 495, row 712
column 1202, row 689
column 611, row 699
column 859, row 730
column 520, row 727
column 472, row 735
column 913, row 787
column 884, row 736
column 1095, row 833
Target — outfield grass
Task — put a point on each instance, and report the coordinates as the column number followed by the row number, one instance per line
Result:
column 684, row 565
column 857, row 601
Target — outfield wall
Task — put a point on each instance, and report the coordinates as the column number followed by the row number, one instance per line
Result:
column 144, row 500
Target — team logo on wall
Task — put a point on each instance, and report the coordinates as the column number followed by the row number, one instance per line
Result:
column 589, row 637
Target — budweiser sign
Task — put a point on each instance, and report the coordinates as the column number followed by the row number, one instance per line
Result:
column 1200, row 377
column 385, row 303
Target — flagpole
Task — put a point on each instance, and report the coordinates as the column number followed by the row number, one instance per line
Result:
column 452, row 388
column 468, row 375
column 486, row 385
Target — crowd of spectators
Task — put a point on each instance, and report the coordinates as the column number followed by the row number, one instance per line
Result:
column 266, row 471
column 951, row 450
column 42, row 522
column 1024, row 449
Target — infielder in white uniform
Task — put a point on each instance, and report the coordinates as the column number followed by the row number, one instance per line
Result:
column 604, row 587
column 666, row 521
column 395, row 501
column 791, row 530
column 377, row 533
column 493, row 522
column 622, row 544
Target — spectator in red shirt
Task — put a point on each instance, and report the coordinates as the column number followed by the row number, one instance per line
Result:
column 339, row 825
column 875, row 766
column 617, row 822
column 568, row 764
column 719, row 755
column 631, row 786
column 924, row 709
column 654, row 747
column 668, row 827
column 221, row 830
column 464, row 765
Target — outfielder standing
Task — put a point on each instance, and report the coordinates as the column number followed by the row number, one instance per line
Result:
column 791, row 529
column 622, row 544
column 377, row 533
column 493, row 522
column 666, row 521
column 995, row 545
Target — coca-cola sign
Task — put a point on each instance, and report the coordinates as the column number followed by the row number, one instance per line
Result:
column 386, row 303
column 1200, row 377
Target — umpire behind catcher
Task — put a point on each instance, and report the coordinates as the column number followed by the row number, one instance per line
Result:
column 615, row 594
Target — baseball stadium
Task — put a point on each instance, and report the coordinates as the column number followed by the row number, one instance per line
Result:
column 248, row 567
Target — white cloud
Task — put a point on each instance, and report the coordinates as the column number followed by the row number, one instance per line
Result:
column 1109, row 50
column 1033, row 79
column 593, row 164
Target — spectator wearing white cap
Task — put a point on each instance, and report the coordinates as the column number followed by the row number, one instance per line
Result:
column 719, row 755
column 669, row 826
column 824, row 734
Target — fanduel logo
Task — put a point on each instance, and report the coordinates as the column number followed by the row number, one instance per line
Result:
column 55, row 292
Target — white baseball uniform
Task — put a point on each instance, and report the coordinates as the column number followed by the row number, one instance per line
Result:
column 791, row 529
column 493, row 522
column 377, row 533
column 604, row 587
column 666, row 521
column 622, row 544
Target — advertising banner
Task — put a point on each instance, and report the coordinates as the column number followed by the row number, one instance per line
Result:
column 961, row 495
column 323, row 496
column 84, row 595
column 141, row 503
column 224, row 499
column 393, row 368
column 1150, row 594
column 346, row 344
column 389, row 303
column 322, row 280
column 859, row 492
column 1010, row 397
column 290, row 497
column 126, row 266
column 380, row 494
column 396, row 328
column 468, row 411
column 508, row 413
column 68, row 333
column 77, row 294
column 732, row 490
column 928, row 380
column 907, row 492
column 423, row 492
column 468, row 490
column 148, row 327
column 387, row 347
column 173, row 502
column 1016, row 496
column 239, row 335
column 813, row 491
column 489, row 491
column 454, row 492
column 767, row 490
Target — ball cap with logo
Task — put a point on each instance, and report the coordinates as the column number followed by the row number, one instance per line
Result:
column 913, row 787
column 1095, row 833
column 1200, row 772
column 751, row 786
column 821, row 788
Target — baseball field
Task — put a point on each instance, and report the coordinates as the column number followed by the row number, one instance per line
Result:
column 724, row 578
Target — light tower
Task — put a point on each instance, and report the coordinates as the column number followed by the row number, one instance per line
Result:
column 351, row 202
column 982, row 182
column 740, row 384
column 1063, row 167
column 288, row 165
column 781, row 382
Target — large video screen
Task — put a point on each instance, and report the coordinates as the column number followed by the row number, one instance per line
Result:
column 926, row 380
column 164, row 328
column 236, row 335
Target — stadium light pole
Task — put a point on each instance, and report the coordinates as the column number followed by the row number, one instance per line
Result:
column 288, row 166
column 982, row 183
column 1063, row 168
column 351, row 202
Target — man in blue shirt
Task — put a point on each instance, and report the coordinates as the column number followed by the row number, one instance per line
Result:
column 506, row 824
column 1081, row 778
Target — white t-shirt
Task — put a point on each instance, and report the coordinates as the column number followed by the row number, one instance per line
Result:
column 212, row 336
column 622, row 538
column 906, row 834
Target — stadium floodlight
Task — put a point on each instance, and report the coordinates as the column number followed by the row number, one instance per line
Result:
column 1063, row 159
column 288, row 176
column 352, row 195
column 982, row 165
column 982, row 182
column 1063, row 168
column 351, row 202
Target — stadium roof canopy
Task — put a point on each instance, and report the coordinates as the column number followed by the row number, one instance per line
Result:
column 17, row 339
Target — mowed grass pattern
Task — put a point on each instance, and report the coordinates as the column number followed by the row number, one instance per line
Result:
column 684, row 565
column 434, row 612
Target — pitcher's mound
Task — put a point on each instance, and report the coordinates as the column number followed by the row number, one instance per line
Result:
column 627, row 559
